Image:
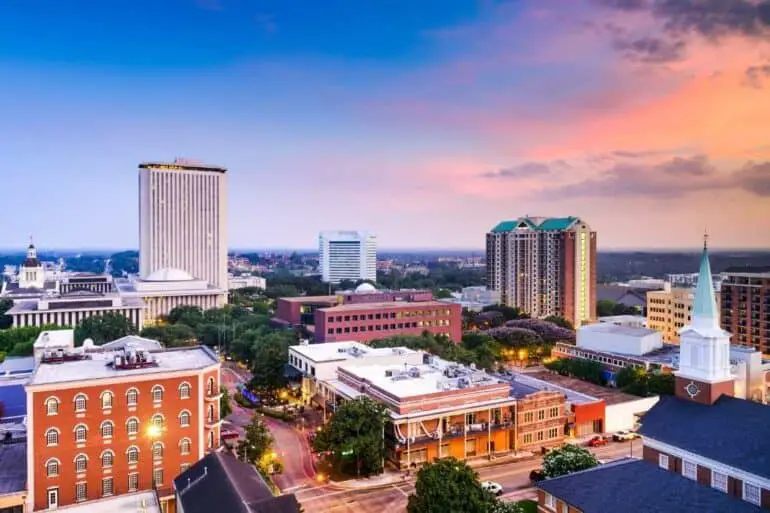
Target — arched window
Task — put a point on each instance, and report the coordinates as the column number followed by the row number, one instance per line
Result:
column 210, row 386
column 107, row 428
column 185, row 445
column 80, row 402
column 108, row 458
column 52, row 405
column 157, row 394
column 157, row 450
column 184, row 390
column 184, row 418
column 132, row 396
column 81, row 463
column 157, row 420
column 106, row 400
column 211, row 439
column 132, row 453
column 52, row 436
column 132, row 426
column 52, row 467
column 210, row 414
column 81, row 432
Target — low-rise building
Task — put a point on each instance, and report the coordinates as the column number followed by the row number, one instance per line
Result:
column 633, row 321
column 246, row 281
column 13, row 477
column 474, row 299
column 610, row 337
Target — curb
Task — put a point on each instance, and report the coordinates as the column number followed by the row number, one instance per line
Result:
column 340, row 486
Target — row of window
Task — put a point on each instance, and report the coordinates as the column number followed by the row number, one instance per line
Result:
column 539, row 436
column 386, row 327
column 751, row 493
column 387, row 315
column 548, row 413
column 108, row 485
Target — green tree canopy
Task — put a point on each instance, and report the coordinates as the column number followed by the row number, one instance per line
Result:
column 354, row 437
column 560, row 321
column 189, row 315
column 449, row 485
column 103, row 328
column 225, row 408
column 270, row 356
column 567, row 459
column 6, row 321
column 256, row 442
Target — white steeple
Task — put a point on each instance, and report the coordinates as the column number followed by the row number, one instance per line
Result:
column 31, row 274
column 705, row 347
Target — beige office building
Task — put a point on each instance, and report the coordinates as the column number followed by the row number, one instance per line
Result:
column 183, row 220
column 669, row 310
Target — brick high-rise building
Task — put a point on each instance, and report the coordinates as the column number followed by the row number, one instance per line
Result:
column 745, row 306
column 116, row 419
column 545, row 266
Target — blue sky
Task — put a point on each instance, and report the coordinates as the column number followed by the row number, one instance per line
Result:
column 391, row 116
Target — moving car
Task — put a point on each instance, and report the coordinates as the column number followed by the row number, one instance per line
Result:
column 492, row 487
column 597, row 441
column 624, row 436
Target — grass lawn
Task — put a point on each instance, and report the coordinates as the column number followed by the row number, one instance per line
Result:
column 528, row 506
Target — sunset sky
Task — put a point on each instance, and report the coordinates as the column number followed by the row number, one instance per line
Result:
column 425, row 121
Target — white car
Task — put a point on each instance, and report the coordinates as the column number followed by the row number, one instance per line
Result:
column 622, row 436
column 492, row 487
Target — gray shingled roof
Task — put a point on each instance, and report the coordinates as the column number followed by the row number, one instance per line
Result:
column 13, row 467
column 638, row 486
column 712, row 432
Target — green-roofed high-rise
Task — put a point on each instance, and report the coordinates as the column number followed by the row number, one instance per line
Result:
column 544, row 266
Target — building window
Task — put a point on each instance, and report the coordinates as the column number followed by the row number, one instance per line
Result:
column 529, row 417
column 211, row 439
column 550, row 501
column 52, row 406
column 52, row 467
column 211, row 386
column 553, row 433
column 108, row 457
column 184, row 391
column 157, row 477
column 663, row 461
column 132, row 453
column 107, row 428
column 52, row 437
column 719, row 481
column 107, row 487
column 81, row 431
column 184, row 446
column 81, row 463
column 157, row 394
column 106, row 400
column 80, row 403
column 133, row 482
column 80, row 492
column 132, row 426
column 689, row 470
column 541, row 415
column 210, row 414
column 539, row 436
column 554, row 412
column 184, row 418
column 157, row 420
column 528, row 438
column 752, row 493
column 157, row 450
column 132, row 396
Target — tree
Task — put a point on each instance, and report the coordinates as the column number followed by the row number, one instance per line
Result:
column 449, row 485
column 442, row 294
column 225, row 408
column 270, row 354
column 509, row 313
column 559, row 321
column 6, row 321
column 548, row 331
column 567, row 459
column 508, row 507
column 185, row 314
column 103, row 328
column 172, row 335
column 354, row 437
column 257, row 441
column 607, row 307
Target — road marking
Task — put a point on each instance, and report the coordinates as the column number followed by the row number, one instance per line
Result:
column 402, row 491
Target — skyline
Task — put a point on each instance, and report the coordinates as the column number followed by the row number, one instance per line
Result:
column 426, row 125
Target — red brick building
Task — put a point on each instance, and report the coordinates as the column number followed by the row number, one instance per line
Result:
column 368, row 321
column 745, row 306
column 105, row 423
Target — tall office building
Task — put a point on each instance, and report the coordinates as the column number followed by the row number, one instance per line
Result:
column 544, row 266
column 183, row 220
column 746, row 306
column 347, row 255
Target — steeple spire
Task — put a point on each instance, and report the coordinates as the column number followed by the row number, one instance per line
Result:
column 704, row 308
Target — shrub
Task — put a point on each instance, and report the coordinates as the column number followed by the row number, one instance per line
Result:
column 548, row 331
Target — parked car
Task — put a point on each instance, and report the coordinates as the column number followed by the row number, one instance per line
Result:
column 597, row 441
column 536, row 475
column 624, row 436
column 492, row 487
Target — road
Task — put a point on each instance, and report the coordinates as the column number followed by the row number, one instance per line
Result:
column 514, row 477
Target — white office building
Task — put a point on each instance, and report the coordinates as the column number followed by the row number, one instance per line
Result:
column 347, row 255
column 183, row 220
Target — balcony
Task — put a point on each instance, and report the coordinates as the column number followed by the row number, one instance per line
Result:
column 213, row 397
column 212, row 422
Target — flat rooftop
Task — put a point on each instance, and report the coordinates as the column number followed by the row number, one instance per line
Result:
column 95, row 366
column 83, row 302
column 141, row 502
column 308, row 299
column 609, row 395
column 339, row 351
column 524, row 384
column 626, row 331
column 386, row 304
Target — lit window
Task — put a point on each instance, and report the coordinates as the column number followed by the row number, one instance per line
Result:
column 157, row 420
column 211, row 386
column 133, row 482
column 80, row 403
column 52, row 406
column 81, row 463
column 663, row 461
column 80, row 492
column 719, row 481
column 52, row 467
column 752, row 493
column 107, row 487
column 157, row 450
column 52, row 437
column 106, row 400
column 157, row 477
column 108, row 458
column 184, row 418
column 80, row 433
column 107, row 428
column 132, row 426
column 157, row 394
column 689, row 470
column 132, row 396
column 184, row 391
column 132, row 454
column 185, row 446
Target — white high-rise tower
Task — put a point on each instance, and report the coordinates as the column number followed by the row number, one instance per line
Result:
column 347, row 255
column 183, row 220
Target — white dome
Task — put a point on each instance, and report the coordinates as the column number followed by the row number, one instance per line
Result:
column 169, row 274
column 365, row 288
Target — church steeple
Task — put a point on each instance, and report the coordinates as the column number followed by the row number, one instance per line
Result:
column 704, row 307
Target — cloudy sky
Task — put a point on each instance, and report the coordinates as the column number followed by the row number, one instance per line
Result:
column 426, row 122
